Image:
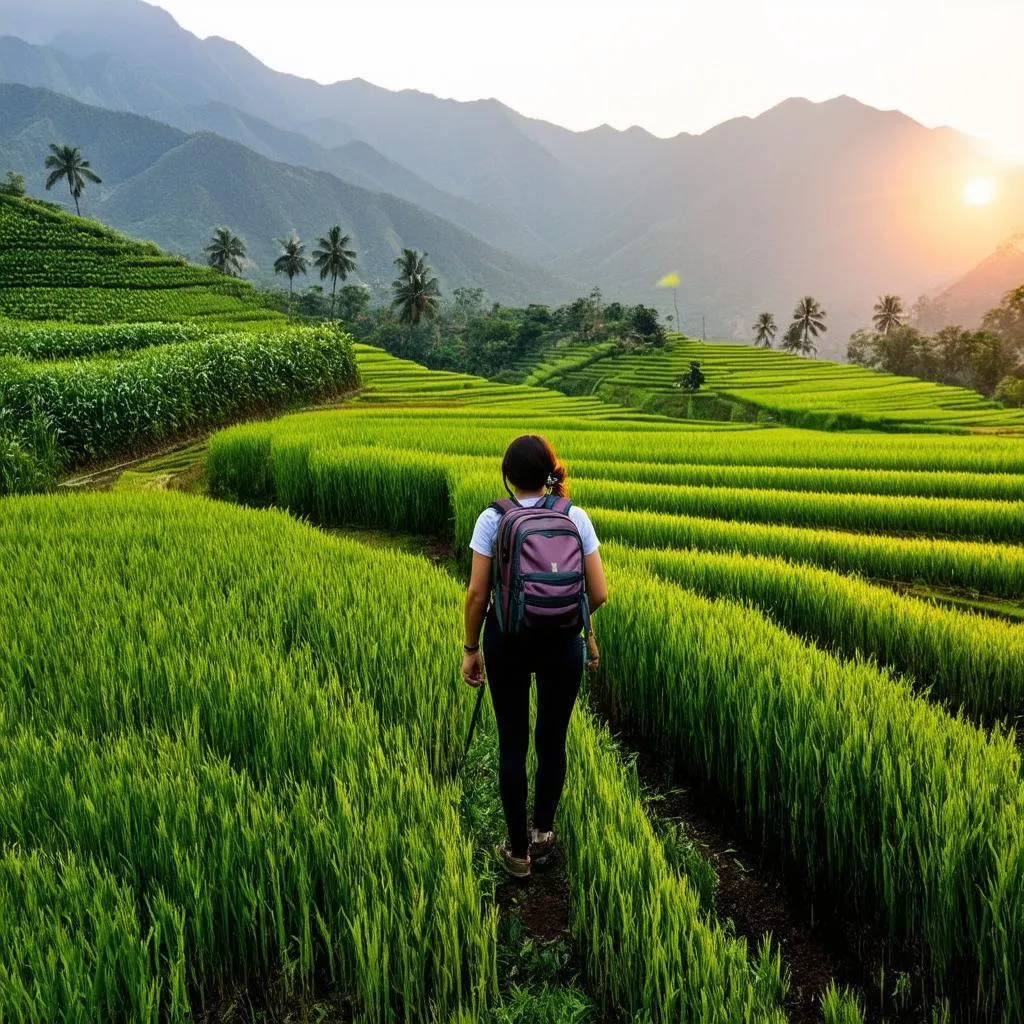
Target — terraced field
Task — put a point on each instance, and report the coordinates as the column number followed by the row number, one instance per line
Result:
column 173, row 348
column 743, row 382
column 232, row 784
column 862, row 775
column 62, row 268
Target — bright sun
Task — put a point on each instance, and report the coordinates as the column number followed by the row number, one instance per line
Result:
column 979, row 191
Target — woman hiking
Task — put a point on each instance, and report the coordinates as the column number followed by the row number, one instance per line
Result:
column 544, row 573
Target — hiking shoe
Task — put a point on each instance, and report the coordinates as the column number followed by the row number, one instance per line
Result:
column 516, row 867
column 542, row 846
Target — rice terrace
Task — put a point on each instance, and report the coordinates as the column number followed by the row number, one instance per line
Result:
column 243, row 779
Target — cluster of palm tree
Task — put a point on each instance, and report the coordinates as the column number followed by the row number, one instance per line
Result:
column 333, row 257
column 65, row 162
column 416, row 294
column 808, row 322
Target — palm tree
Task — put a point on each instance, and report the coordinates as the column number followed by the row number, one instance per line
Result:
column 889, row 313
column 808, row 322
column 415, row 293
column 765, row 330
column 292, row 261
column 226, row 252
column 334, row 259
column 67, row 162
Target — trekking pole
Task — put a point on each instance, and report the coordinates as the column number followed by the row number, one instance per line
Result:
column 472, row 726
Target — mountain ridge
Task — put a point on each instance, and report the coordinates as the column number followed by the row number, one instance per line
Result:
column 833, row 197
column 189, row 183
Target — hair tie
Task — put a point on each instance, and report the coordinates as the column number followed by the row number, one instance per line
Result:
column 552, row 480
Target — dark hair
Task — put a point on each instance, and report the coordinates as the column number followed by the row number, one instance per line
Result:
column 530, row 462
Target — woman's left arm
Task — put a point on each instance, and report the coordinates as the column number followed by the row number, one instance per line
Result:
column 477, row 596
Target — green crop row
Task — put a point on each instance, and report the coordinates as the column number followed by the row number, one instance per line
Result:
column 967, row 661
column 28, row 268
column 987, row 568
column 950, row 517
column 801, row 392
column 872, row 793
column 72, row 341
column 104, row 407
column 26, row 224
column 960, row 658
column 106, row 305
column 921, row 484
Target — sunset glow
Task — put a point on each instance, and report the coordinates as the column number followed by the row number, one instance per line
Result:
column 979, row 191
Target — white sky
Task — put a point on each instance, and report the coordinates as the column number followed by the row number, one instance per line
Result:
column 668, row 66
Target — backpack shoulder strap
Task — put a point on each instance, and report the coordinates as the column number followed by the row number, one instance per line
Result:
column 504, row 505
column 558, row 504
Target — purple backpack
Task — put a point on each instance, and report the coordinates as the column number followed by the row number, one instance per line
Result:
column 539, row 583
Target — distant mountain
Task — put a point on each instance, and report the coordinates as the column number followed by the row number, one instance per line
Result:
column 172, row 187
column 982, row 288
column 834, row 199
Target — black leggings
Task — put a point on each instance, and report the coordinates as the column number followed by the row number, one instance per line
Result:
column 559, row 669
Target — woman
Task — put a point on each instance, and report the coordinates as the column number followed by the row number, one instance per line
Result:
column 531, row 467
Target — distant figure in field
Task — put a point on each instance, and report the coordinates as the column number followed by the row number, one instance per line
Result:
column 537, row 577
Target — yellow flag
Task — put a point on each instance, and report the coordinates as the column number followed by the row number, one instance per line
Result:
column 669, row 281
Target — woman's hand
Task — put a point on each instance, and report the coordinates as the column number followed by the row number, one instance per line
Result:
column 473, row 668
column 593, row 655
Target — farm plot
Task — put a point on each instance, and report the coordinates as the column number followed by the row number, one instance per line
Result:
column 863, row 785
column 802, row 392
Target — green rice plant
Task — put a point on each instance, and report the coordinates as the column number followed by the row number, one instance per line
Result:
column 264, row 454
column 238, row 727
column 963, row 659
column 987, row 568
column 921, row 484
column 874, row 794
column 950, row 517
column 233, row 749
column 650, row 947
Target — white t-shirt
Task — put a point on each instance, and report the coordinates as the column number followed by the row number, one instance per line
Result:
column 485, row 533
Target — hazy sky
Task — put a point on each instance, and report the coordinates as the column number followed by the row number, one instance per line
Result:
column 668, row 66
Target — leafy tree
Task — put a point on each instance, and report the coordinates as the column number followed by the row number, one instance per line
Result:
column 889, row 314
column 693, row 378
column 643, row 327
column 491, row 341
column 292, row 260
column 791, row 340
column 334, row 259
column 226, row 252
column 13, row 184
column 66, row 162
column 808, row 322
column 416, row 293
column 1011, row 391
column 765, row 330
column 353, row 304
column 1007, row 319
